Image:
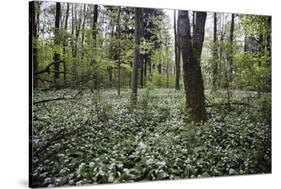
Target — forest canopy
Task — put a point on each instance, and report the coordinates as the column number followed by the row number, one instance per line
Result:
column 126, row 94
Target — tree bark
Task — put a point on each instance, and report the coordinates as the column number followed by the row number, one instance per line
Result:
column 134, row 80
column 83, row 30
column 94, row 30
column 109, row 69
column 57, row 42
column 77, row 32
column 215, row 53
column 177, row 51
column 94, row 35
column 191, row 53
column 167, row 66
column 65, row 41
column 119, row 51
column 34, row 24
column 141, row 55
column 230, row 53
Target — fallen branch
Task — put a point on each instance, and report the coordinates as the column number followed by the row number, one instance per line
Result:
column 57, row 99
column 57, row 136
column 229, row 104
column 47, row 69
column 60, row 135
column 53, row 99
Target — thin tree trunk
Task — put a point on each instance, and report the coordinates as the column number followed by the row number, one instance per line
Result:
column 220, row 55
column 134, row 80
column 215, row 53
column 34, row 24
column 77, row 32
column 167, row 68
column 111, row 51
column 94, row 30
column 230, row 53
column 141, row 55
column 57, row 42
column 176, row 53
column 119, row 51
column 245, row 43
column 94, row 35
column 268, row 38
column 65, row 43
column 72, row 42
column 83, row 31
column 191, row 52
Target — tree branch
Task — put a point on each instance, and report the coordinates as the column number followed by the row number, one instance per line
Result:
column 47, row 69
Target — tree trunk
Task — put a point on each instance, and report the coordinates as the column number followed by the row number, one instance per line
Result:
column 119, row 51
column 83, row 31
column 268, row 38
column 245, row 43
column 57, row 42
column 167, row 67
column 141, row 55
column 65, row 42
column 94, row 30
column 134, row 80
column 94, row 35
column 77, row 32
column 34, row 8
column 177, row 49
column 73, row 20
column 230, row 53
column 215, row 53
column 191, row 53
column 109, row 69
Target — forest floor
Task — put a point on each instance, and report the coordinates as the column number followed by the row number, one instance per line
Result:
column 101, row 138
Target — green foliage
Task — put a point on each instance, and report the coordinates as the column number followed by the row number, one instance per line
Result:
column 254, row 24
column 253, row 72
column 105, row 142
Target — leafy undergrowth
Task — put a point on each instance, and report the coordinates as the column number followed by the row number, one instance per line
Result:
column 103, row 139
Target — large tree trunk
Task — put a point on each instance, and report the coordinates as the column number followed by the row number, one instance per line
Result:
column 57, row 42
column 191, row 53
column 34, row 24
column 215, row 53
column 177, row 51
column 134, row 80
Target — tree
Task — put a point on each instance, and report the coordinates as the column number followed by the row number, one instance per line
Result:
column 141, row 63
column 215, row 53
column 191, row 52
column 134, row 80
column 65, row 42
column 94, row 35
column 34, row 8
column 57, row 43
column 94, row 29
column 177, row 52
column 83, row 30
column 230, row 53
column 119, row 51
